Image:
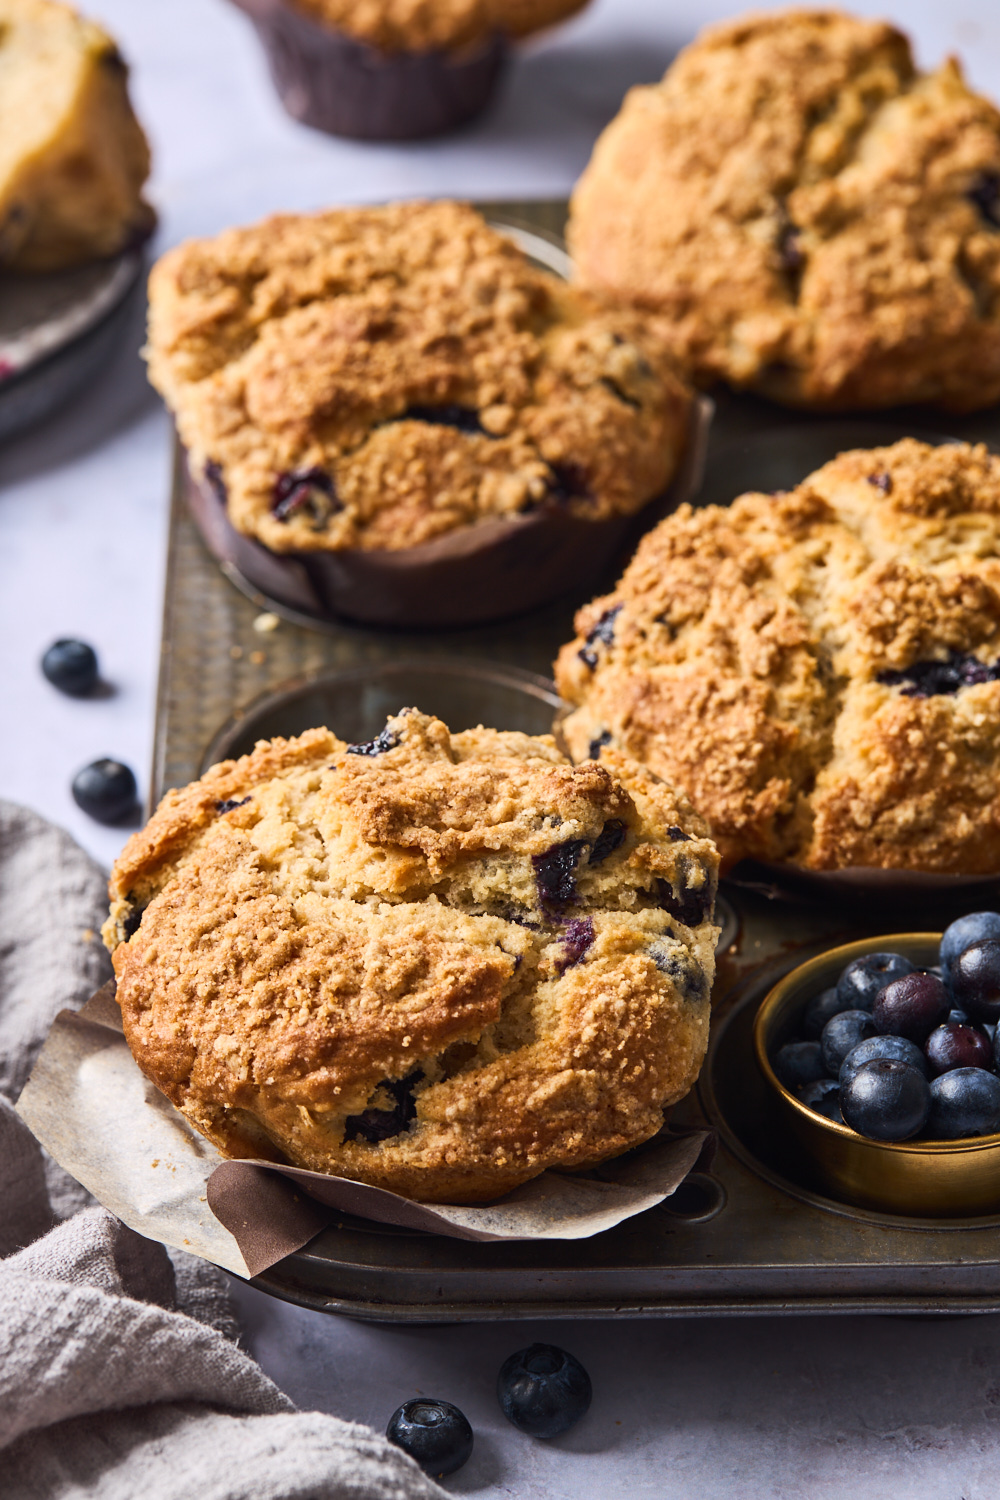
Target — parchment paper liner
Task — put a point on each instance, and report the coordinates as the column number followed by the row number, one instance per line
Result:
column 344, row 86
column 105, row 1123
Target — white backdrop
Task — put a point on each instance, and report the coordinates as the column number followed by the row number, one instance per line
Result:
column 782, row 1408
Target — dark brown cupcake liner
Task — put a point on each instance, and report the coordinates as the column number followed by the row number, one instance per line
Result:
column 472, row 576
column 346, row 87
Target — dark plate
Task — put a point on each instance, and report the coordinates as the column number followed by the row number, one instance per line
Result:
column 65, row 327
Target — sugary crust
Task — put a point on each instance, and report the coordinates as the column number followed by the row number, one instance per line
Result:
column 750, row 662
column 469, row 919
column 349, row 349
column 805, row 215
column 431, row 25
column 73, row 158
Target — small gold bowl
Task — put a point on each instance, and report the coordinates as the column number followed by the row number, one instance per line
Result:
column 928, row 1179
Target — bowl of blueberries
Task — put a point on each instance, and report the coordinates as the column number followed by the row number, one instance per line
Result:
column 884, row 1059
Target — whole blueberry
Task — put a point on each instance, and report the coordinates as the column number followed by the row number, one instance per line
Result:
column 896, row 1047
column 841, row 1035
column 105, row 790
column 861, row 981
column 543, row 1390
column 964, row 1102
column 435, row 1433
column 819, row 1010
column 71, row 666
column 966, row 931
column 799, row 1062
column 823, row 1096
column 975, row 980
column 950, row 1046
column 957, row 1018
column 911, row 1007
column 886, row 1100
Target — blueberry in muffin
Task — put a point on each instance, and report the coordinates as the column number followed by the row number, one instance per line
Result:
column 73, row 158
column 818, row 670
column 375, row 378
column 438, row 963
column 800, row 212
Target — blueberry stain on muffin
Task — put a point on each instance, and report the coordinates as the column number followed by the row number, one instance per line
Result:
column 924, row 679
column 985, row 194
column 392, row 1111
column 307, row 491
column 386, row 739
column 230, row 804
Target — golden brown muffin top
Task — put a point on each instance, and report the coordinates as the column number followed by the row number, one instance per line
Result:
column 376, row 377
column 432, row 25
column 818, row 670
column 806, row 215
column 439, row 963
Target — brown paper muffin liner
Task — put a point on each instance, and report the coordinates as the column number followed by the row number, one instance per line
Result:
column 343, row 86
column 471, row 576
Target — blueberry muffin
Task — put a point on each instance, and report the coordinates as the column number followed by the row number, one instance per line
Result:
column 803, row 214
column 435, row 963
column 73, row 158
column 818, row 670
column 392, row 69
column 374, row 378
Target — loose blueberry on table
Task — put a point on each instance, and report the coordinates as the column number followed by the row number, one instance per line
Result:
column 543, row 1390
column 894, row 1052
column 434, row 1433
column 105, row 790
column 71, row 666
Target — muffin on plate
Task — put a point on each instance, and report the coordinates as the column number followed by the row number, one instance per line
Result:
column 803, row 214
column 818, row 670
column 369, row 380
column 73, row 158
column 392, row 69
column 435, row 963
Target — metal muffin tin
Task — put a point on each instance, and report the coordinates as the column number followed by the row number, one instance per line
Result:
column 753, row 1233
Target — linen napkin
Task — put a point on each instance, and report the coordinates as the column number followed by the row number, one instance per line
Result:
column 120, row 1375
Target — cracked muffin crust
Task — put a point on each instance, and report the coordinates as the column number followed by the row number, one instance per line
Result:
column 818, row 670
column 376, row 377
column 435, row 963
column 426, row 25
column 804, row 215
column 73, row 158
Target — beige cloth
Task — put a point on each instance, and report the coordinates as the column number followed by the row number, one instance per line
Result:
column 120, row 1377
